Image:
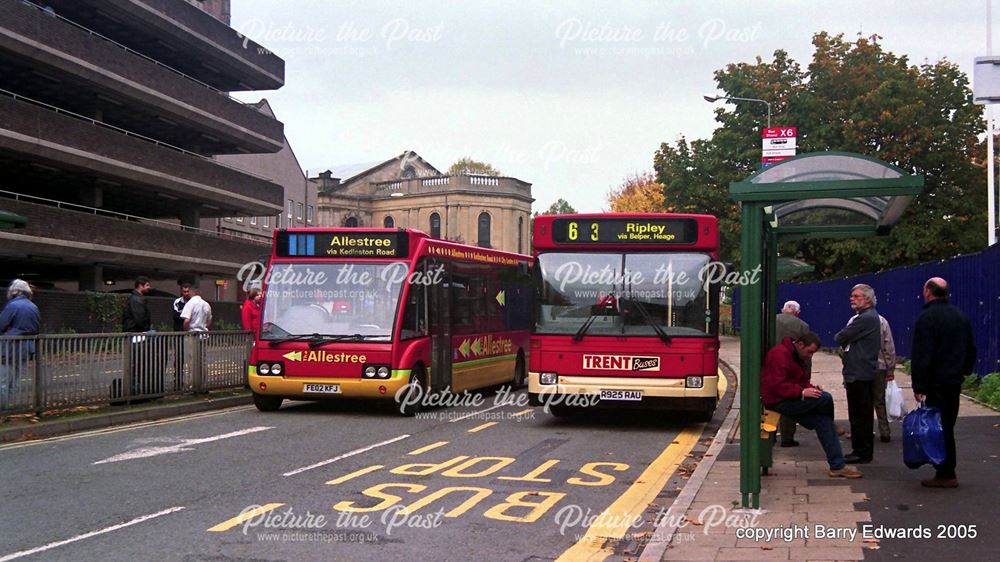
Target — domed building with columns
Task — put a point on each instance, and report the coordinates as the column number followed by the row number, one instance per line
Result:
column 408, row 192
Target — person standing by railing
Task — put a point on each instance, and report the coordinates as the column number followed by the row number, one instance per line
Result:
column 135, row 317
column 19, row 317
column 251, row 311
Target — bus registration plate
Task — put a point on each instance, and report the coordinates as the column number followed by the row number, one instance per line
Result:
column 621, row 394
column 321, row 388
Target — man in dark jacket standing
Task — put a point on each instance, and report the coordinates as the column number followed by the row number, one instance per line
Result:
column 136, row 316
column 785, row 388
column 943, row 353
column 861, row 341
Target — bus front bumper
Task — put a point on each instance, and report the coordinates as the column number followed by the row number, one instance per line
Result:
column 345, row 388
column 670, row 393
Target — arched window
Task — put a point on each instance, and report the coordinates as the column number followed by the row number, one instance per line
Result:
column 520, row 235
column 484, row 230
column 435, row 225
column 388, row 222
column 409, row 172
column 351, row 222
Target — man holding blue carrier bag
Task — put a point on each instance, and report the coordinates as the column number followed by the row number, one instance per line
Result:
column 944, row 352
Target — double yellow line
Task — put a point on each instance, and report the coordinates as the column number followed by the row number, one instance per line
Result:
column 616, row 520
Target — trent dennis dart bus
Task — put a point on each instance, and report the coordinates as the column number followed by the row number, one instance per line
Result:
column 627, row 313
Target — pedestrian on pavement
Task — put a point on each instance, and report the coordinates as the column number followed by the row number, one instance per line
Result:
column 179, row 353
column 251, row 311
column 179, row 303
column 136, row 316
column 788, row 325
column 19, row 317
column 944, row 352
column 197, row 314
column 786, row 390
column 861, row 342
column 885, row 373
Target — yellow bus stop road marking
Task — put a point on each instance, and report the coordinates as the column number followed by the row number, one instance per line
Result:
column 245, row 516
column 616, row 520
column 356, row 473
column 479, row 428
column 428, row 448
column 522, row 413
column 723, row 384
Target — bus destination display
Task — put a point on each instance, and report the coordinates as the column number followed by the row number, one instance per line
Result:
column 342, row 244
column 625, row 231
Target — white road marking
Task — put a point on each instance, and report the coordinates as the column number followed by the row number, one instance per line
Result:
column 52, row 545
column 345, row 455
column 184, row 445
column 129, row 427
column 472, row 414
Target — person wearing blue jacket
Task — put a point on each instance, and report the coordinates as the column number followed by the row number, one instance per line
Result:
column 861, row 342
column 19, row 317
column 944, row 352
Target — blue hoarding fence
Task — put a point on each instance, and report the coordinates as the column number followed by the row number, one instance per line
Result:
column 974, row 281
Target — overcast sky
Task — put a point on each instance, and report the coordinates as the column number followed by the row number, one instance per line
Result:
column 569, row 96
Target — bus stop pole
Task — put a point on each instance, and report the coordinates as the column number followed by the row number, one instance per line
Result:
column 751, row 311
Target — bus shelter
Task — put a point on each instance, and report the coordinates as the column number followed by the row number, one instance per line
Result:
column 813, row 195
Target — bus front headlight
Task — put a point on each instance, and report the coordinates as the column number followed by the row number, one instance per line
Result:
column 548, row 378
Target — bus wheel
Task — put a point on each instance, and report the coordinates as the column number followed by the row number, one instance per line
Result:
column 706, row 414
column 414, row 395
column 267, row 403
column 520, row 376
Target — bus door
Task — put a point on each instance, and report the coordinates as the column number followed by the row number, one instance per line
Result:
column 439, row 321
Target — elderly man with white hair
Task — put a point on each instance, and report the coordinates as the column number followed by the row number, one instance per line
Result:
column 788, row 325
column 19, row 318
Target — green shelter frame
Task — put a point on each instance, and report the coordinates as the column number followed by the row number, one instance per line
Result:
column 813, row 195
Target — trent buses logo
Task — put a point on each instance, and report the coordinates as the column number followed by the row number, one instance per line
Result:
column 620, row 363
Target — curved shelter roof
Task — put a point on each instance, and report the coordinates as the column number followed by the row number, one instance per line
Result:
column 831, row 194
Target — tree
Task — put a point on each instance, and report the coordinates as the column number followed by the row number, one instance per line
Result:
column 467, row 166
column 560, row 207
column 853, row 97
column 638, row 193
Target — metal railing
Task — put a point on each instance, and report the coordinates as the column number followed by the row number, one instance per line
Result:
column 18, row 97
column 39, row 373
column 51, row 13
column 231, row 235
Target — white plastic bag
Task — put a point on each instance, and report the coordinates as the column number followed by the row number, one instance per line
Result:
column 894, row 400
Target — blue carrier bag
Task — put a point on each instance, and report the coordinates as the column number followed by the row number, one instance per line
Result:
column 923, row 437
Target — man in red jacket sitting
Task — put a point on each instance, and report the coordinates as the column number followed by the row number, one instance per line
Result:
column 786, row 389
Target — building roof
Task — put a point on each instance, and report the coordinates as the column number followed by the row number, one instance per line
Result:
column 347, row 172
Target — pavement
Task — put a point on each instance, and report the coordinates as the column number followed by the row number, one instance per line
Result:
column 24, row 427
column 806, row 515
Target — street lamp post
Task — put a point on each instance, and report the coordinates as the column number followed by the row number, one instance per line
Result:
column 713, row 99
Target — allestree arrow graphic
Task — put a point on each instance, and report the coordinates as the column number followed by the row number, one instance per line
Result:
column 464, row 348
column 293, row 356
column 477, row 346
column 502, row 298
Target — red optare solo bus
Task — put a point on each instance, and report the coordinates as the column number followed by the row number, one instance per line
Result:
column 387, row 313
column 626, row 312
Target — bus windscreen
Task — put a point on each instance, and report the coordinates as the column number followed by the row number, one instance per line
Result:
column 631, row 294
column 342, row 299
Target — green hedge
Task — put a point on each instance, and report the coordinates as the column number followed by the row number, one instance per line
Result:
column 985, row 389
